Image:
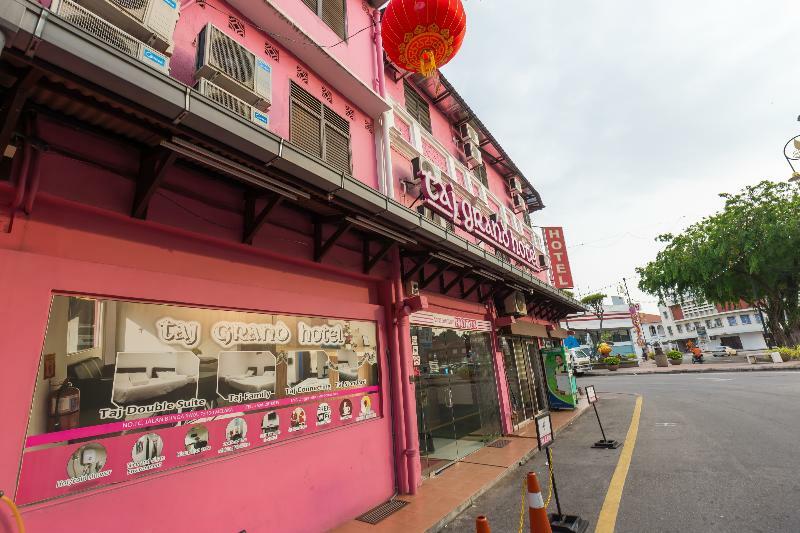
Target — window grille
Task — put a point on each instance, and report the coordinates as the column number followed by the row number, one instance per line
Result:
column 332, row 13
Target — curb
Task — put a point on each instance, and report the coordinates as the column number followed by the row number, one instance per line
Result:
column 440, row 525
column 704, row 370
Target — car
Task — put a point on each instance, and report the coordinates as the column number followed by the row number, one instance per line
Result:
column 581, row 360
column 718, row 350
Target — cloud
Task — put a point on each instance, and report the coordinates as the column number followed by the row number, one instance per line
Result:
column 630, row 117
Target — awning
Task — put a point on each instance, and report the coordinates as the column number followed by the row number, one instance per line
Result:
column 529, row 329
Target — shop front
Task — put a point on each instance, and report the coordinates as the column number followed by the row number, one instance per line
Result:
column 456, row 392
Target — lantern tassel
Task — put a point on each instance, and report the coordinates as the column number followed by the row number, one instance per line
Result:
column 427, row 64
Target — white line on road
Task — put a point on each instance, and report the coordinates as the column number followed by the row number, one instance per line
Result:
column 717, row 379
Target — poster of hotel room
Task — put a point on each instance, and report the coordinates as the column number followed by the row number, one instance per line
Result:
column 130, row 388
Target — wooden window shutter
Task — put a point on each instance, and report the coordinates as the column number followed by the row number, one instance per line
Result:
column 480, row 171
column 306, row 121
column 333, row 14
column 337, row 141
column 417, row 107
column 312, row 5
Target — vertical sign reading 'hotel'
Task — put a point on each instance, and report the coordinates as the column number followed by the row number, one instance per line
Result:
column 559, row 261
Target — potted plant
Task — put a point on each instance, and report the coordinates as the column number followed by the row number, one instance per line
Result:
column 612, row 362
column 675, row 357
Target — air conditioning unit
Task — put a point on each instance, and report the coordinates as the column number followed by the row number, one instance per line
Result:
column 472, row 154
column 233, row 67
column 106, row 32
column 542, row 261
column 518, row 202
column 515, row 305
column 151, row 21
column 430, row 215
column 412, row 288
column 422, row 165
column 468, row 134
column 232, row 103
column 515, row 184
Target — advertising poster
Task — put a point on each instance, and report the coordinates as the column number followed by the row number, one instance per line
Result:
column 562, row 389
column 130, row 388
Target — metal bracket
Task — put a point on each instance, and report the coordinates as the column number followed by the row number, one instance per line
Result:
column 36, row 38
column 186, row 104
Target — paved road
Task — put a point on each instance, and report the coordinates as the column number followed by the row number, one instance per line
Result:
column 715, row 452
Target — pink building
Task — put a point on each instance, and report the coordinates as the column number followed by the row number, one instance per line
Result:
column 237, row 249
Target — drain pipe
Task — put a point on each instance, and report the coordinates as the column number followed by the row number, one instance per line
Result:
column 411, row 451
column 382, row 141
column 396, row 400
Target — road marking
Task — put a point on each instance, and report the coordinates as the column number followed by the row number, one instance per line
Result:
column 666, row 424
column 607, row 520
column 717, row 379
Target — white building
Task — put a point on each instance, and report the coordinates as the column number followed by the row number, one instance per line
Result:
column 617, row 325
column 738, row 326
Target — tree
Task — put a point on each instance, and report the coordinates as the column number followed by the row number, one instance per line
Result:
column 595, row 303
column 748, row 251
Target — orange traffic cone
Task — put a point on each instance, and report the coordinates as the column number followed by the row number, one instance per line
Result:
column 482, row 525
column 540, row 523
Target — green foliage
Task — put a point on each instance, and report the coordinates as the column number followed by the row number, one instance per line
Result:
column 674, row 354
column 789, row 354
column 748, row 251
column 611, row 360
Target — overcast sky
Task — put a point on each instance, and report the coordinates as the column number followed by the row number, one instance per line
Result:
column 629, row 116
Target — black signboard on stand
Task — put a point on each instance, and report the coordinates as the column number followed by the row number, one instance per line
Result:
column 604, row 443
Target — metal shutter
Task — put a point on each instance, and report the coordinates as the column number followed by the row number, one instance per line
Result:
column 333, row 14
column 312, row 5
column 337, row 149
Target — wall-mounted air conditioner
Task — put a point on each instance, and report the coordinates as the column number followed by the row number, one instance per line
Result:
column 412, row 288
column 472, row 154
column 518, row 201
column 151, row 21
column 232, row 103
column 514, row 305
column 467, row 133
column 422, row 165
column 542, row 261
column 515, row 184
column 233, row 67
column 106, row 32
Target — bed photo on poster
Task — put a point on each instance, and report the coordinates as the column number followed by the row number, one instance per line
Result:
column 147, row 378
column 246, row 372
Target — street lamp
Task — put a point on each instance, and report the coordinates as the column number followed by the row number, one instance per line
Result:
column 791, row 151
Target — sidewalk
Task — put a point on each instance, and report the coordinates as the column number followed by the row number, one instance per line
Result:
column 441, row 498
column 689, row 368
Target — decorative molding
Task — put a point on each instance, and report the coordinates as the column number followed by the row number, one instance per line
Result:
column 302, row 74
column 327, row 94
column 272, row 52
column 236, row 25
column 350, row 112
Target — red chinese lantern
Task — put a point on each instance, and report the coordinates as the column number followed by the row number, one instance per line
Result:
column 422, row 35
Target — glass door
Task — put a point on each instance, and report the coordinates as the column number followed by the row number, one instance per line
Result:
column 457, row 408
column 535, row 360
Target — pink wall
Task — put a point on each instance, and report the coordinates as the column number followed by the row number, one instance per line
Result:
column 357, row 55
column 71, row 248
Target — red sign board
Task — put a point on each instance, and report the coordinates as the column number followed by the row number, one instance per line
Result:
column 559, row 261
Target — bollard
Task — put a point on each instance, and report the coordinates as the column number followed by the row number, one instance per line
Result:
column 540, row 523
column 482, row 525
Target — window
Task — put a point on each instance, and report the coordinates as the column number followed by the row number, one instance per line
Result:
column 717, row 322
column 527, row 218
column 653, row 330
column 669, row 330
column 660, row 330
column 480, row 172
column 745, row 319
column 665, row 314
column 731, row 320
column 82, row 324
column 757, row 318
column 318, row 130
column 708, row 324
column 417, row 107
column 680, row 328
column 332, row 13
